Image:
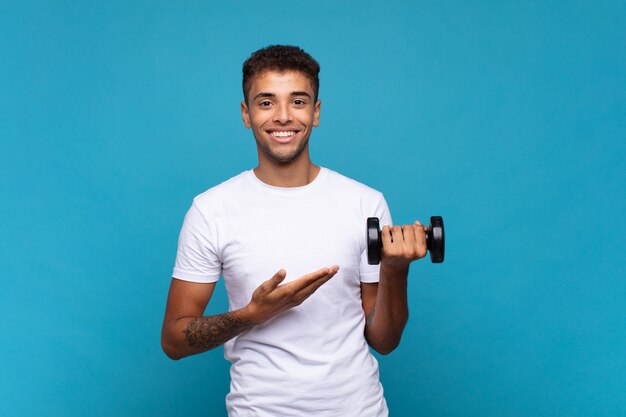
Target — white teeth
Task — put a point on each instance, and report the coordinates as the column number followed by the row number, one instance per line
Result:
column 283, row 134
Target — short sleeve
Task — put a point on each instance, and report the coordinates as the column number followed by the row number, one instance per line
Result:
column 197, row 257
column 370, row 273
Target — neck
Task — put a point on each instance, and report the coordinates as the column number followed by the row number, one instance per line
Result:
column 297, row 173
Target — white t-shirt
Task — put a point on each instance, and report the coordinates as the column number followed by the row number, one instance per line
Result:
column 312, row 359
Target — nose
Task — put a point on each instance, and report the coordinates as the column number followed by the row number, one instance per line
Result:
column 282, row 114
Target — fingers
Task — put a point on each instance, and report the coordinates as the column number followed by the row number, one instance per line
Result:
column 386, row 237
column 409, row 235
column 309, row 286
column 271, row 284
column 419, row 231
column 407, row 241
column 295, row 292
column 314, row 276
column 410, row 242
column 424, row 228
column 314, row 279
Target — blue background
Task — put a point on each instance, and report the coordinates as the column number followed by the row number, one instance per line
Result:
column 507, row 118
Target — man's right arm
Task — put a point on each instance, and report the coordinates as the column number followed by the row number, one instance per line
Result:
column 185, row 332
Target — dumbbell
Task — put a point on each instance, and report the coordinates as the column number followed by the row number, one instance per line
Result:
column 434, row 240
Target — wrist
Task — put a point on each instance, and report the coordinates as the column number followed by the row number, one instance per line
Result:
column 248, row 315
column 394, row 268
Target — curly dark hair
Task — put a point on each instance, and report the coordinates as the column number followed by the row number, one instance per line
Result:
column 280, row 58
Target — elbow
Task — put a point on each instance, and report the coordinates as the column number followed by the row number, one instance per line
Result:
column 385, row 342
column 170, row 353
column 386, row 349
column 384, row 352
column 169, row 349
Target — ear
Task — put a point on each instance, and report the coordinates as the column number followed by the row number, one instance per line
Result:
column 245, row 115
column 316, row 113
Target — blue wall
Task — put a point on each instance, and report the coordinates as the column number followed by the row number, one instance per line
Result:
column 507, row 118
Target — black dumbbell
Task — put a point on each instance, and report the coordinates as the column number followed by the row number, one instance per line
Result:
column 435, row 241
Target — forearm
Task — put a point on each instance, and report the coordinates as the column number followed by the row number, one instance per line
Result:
column 386, row 321
column 191, row 335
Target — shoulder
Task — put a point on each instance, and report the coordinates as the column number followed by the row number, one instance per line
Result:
column 224, row 190
column 222, row 199
column 354, row 195
column 346, row 184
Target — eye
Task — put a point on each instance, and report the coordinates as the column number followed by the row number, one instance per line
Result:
column 299, row 102
column 265, row 103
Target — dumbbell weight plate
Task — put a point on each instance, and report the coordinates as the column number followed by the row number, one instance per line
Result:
column 374, row 242
column 436, row 240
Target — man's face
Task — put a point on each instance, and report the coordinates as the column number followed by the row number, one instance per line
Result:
column 282, row 113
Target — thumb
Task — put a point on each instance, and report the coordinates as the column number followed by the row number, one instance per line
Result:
column 276, row 279
column 420, row 225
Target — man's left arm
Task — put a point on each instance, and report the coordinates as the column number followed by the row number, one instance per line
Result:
column 385, row 303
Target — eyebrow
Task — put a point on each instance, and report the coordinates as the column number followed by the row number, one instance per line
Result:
column 293, row 94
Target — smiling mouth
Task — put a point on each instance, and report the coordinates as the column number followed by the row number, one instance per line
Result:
column 283, row 134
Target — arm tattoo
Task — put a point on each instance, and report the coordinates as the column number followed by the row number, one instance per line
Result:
column 210, row 332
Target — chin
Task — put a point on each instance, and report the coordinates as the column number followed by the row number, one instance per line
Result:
column 284, row 158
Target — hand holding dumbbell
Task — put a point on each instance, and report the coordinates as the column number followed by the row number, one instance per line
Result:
column 434, row 240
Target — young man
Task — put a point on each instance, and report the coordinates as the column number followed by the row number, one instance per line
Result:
column 289, row 239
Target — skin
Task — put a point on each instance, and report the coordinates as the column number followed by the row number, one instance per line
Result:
column 284, row 102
